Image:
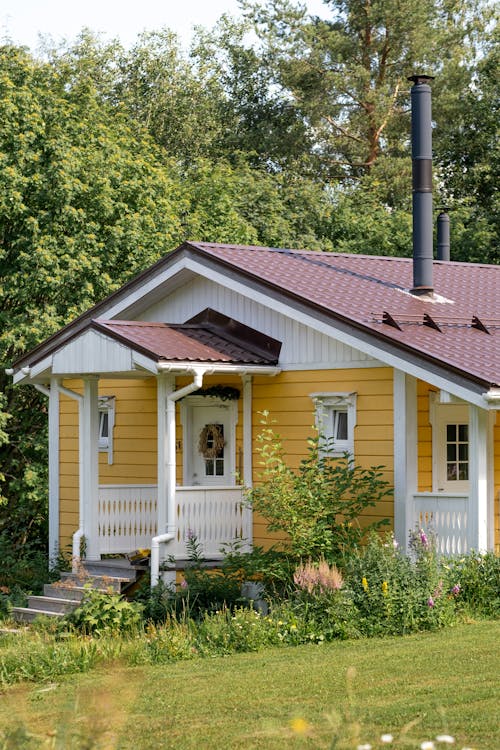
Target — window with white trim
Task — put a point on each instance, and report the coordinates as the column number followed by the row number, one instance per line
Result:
column 336, row 420
column 106, row 425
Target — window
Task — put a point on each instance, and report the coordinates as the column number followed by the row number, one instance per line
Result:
column 336, row 420
column 457, row 452
column 106, row 425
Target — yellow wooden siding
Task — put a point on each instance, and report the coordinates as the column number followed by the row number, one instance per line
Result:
column 287, row 399
column 424, row 437
column 134, row 444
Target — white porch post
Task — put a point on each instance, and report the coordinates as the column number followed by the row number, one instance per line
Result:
column 247, row 450
column 164, row 387
column 53, row 472
column 405, row 453
column 89, row 465
column 478, row 478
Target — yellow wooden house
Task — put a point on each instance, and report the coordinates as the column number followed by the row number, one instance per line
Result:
column 156, row 394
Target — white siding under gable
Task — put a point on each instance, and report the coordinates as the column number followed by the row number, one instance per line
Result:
column 302, row 346
column 89, row 353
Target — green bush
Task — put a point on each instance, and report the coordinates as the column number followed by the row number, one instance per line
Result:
column 476, row 580
column 103, row 613
column 319, row 505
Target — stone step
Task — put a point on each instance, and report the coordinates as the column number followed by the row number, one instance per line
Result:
column 52, row 604
column 26, row 614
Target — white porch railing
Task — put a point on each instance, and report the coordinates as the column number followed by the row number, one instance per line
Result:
column 128, row 519
column 215, row 515
column 447, row 516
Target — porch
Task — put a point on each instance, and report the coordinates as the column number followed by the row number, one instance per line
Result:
column 216, row 515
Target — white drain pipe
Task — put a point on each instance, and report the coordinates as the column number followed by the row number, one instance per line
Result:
column 169, row 535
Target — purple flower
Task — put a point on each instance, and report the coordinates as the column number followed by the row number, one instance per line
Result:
column 184, row 584
column 423, row 538
column 430, row 602
column 456, row 589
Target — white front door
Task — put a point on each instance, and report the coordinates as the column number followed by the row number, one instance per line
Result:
column 209, row 442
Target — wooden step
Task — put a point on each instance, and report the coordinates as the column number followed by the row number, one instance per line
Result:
column 105, row 582
column 52, row 604
column 26, row 614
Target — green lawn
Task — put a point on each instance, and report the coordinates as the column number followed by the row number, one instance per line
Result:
column 446, row 682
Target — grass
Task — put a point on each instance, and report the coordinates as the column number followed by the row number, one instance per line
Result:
column 445, row 682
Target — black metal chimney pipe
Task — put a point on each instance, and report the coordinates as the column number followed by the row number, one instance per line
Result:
column 421, row 153
column 443, row 235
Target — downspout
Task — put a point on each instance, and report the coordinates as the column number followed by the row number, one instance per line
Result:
column 79, row 534
column 53, row 442
column 171, row 509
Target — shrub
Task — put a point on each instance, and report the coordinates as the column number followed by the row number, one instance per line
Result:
column 319, row 505
column 476, row 583
column 101, row 613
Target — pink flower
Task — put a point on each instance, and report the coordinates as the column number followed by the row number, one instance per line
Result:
column 430, row 602
column 423, row 538
column 456, row 589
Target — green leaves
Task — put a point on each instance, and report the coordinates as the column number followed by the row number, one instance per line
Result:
column 319, row 505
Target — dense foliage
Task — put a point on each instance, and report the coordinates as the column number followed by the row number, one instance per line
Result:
column 111, row 157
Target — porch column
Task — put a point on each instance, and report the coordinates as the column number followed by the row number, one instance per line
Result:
column 53, row 472
column 405, row 453
column 247, row 452
column 89, row 465
column 165, row 385
column 478, row 478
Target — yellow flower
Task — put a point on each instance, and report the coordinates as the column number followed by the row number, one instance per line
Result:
column 365, row 583
column 299, row 726
column 385, row 587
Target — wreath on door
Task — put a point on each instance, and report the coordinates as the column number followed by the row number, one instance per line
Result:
column 211, row 441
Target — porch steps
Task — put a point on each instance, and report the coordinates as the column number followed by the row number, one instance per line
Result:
column 65, row 595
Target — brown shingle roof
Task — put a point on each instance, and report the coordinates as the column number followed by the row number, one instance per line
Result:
column 186, row 343
column 360, row 289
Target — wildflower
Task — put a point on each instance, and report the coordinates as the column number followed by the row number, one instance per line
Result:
column 385, row 587
column 430, row 602
column 366, row 746
column 446, row 739
column 299, row 726
column 456, row 589
column 423, row 538
column 427, row 745
column 438, row 590
column 386, row 739
column 364, row 583
column 184, row 584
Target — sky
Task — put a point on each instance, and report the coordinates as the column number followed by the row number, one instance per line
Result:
column 21, row 21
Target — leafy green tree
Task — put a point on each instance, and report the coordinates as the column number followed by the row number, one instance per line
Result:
column 84, row 204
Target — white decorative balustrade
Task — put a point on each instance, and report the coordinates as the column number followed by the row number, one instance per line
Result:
column 216, row 515
column 447, row 516
column 127, row 519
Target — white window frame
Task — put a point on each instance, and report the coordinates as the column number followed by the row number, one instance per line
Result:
column 106, row 406
column 327, row 403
